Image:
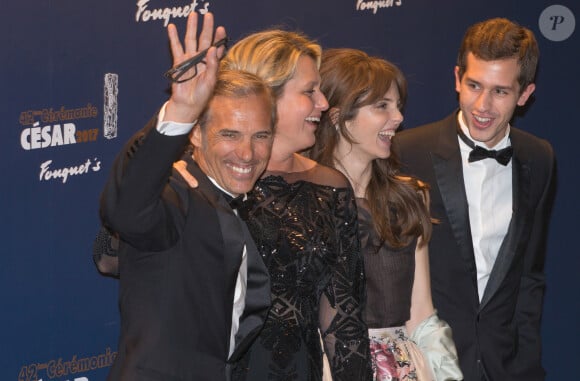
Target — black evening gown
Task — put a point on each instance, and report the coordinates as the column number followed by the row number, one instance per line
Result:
column 305, row 227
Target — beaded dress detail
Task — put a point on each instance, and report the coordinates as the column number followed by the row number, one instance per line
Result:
column 305, row 227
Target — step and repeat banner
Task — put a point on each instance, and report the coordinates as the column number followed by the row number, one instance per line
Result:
column 79, row 78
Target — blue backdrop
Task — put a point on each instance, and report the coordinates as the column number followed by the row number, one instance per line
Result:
column 79, row 78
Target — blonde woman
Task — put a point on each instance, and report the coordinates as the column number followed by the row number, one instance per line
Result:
column 303, row 219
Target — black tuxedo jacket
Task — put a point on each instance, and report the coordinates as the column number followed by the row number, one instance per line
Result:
column 178, row 267
column 499, row 338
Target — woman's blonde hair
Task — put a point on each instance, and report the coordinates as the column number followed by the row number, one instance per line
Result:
column 272, row 55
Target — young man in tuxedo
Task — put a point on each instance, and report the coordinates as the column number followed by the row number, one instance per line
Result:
column 194, row 291
column 487, row 251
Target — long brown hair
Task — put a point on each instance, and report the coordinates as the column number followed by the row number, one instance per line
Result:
column 352, row 79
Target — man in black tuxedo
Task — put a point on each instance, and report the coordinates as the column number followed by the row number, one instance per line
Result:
column 194, row 291
column 487, row 251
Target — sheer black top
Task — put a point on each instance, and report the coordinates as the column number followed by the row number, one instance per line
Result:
column 389, row 275
column 305, row 227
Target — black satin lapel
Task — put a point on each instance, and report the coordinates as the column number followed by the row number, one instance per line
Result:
column 449, row 174
column 235, row 234
column 233, row 238
column 521, row 174
column 230, row 224
column 257, row 299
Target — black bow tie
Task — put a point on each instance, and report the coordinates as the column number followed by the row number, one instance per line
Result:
column 503, row 156
column 235, row 202
column 238, row 203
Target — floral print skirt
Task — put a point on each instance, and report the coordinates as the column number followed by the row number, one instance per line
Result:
column 395, row 357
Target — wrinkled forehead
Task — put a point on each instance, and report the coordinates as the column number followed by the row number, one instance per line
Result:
column 249, row 113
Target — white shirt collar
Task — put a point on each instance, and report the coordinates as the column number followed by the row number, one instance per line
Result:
column 223, row 190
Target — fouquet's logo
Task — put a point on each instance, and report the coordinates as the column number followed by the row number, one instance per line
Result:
column 49, row 172
column 57, row 128
column 374, row 5
column 145, row 13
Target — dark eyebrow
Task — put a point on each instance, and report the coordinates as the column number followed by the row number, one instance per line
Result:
column 228, row 130
column 495, row 87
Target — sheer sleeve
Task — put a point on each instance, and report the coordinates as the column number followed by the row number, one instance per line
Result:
column 344, row 333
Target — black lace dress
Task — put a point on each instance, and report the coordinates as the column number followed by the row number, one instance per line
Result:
column 305, row 226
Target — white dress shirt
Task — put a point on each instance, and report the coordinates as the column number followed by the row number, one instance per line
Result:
column 488, row 186
column 173, row 129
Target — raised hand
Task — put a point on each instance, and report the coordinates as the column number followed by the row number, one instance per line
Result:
column 188, row 98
